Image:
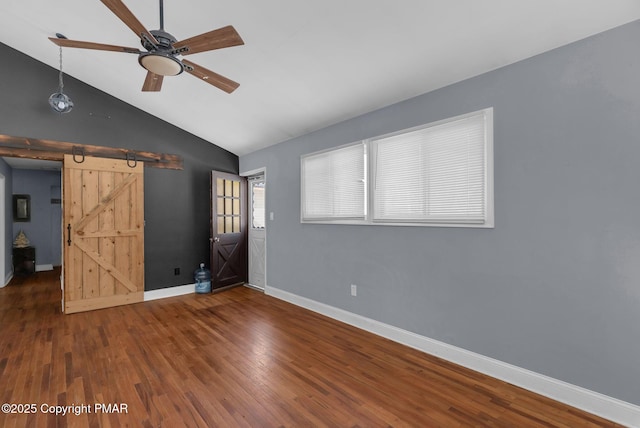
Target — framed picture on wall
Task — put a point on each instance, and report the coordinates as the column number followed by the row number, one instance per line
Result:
column 21, row 208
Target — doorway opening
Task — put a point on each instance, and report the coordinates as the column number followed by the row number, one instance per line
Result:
column 38, row 223
column 3, row 247
column 257, row 230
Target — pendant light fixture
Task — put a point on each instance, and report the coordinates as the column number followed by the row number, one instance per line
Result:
column 58, row 101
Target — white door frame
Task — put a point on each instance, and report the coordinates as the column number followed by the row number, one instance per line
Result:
column 256, row 172
column 3, row 244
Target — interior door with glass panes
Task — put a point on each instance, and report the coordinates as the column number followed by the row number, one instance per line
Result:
column 228, row 230
column 257, row 231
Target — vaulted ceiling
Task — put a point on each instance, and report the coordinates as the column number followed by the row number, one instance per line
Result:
column 305, row 64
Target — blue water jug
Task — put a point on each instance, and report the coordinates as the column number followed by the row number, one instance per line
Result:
column 202, row 277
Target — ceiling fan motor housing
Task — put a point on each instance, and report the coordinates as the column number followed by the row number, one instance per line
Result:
column 165, row 40
column 160, row 59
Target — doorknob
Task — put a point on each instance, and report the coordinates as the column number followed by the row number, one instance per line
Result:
column 216, row 239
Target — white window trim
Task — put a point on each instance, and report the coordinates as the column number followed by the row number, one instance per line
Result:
column 489, row 221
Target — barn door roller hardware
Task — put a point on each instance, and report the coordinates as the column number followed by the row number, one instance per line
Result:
column 77, row 151
column 132, row 161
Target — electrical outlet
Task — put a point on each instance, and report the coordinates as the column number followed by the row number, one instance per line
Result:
column 354, row 290
column 176, row 271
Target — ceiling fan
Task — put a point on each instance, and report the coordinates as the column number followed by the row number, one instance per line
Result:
column 162, row 50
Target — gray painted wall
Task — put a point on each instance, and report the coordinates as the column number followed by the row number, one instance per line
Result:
column 555, row 287
column 176, row 202
column 44, row 229
column 7, row 172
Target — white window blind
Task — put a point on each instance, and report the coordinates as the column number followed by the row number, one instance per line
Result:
column 432, row 174
column 333, row 184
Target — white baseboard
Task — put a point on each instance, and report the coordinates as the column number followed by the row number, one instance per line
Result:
column 42, row 268
column 593, row 402
column 7, row 279
column 254, row 287
column 162, row 293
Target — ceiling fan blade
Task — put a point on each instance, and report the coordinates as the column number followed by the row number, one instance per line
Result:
column 210, row 77
column 90, row 45
column 125, row 15
column 152, row 83
column 224, row 37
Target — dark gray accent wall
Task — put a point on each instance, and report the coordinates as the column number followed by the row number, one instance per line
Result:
column 555, row 287
column 176, row 202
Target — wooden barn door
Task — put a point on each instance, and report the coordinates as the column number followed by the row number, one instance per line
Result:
column 103, row 233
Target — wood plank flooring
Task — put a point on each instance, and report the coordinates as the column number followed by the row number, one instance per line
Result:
column 235, row 359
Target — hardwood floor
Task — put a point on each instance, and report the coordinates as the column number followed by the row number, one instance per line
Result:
column 235, row 358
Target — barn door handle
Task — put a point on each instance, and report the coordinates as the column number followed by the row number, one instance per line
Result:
column 69, row 234
column 216, row 239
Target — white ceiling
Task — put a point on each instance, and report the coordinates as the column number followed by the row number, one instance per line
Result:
column 305, row 64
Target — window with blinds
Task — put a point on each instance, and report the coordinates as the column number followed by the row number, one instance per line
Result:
column 440, row 174
column 436, row 173
column 333, row 185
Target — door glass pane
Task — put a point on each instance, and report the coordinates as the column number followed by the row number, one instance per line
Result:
column 236, row 224
column 236, row 189
column 227, row 187
column 220, row 206
column 228, row 224
column 220, row 187
column 220, row 224
column 257, row 205
column 236, row 206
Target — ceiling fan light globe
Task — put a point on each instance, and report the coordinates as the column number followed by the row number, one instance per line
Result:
column 164, row 65
column 60, row 103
